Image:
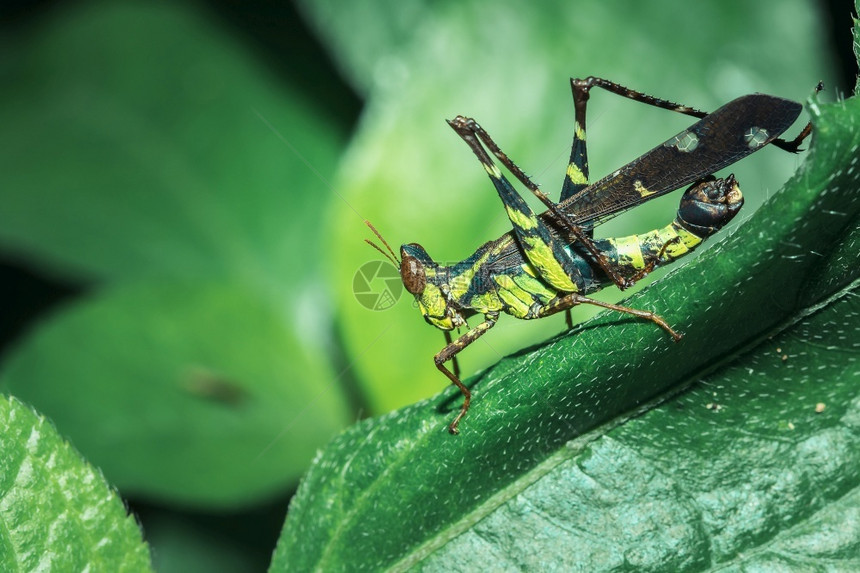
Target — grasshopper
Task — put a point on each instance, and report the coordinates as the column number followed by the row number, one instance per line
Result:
column 549, row 262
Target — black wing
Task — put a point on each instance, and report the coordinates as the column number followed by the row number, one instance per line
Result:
column 732, row 132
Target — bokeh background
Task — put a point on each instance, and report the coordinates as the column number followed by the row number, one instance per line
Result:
column 182, row 189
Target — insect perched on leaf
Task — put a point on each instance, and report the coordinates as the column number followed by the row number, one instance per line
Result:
column 550, row 262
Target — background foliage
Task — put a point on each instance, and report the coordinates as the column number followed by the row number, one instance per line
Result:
column 180, row 222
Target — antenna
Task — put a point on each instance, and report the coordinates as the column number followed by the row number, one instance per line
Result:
column 393, row 256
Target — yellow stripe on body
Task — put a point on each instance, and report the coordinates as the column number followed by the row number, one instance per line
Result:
column 487, row 302
column 629, row 251
column 459, row 284
column 633, row 250
column 523, row 220
column 688, row 241
column 576, row 175
column 432, row 301
column 536, row 288
column 518, row 300
column 540, row 255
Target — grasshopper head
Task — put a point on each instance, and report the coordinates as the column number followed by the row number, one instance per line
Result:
column 710, row 204
column 414, row 261
column 420, row 277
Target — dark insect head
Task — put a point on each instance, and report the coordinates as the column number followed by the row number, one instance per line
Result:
column 412, row 262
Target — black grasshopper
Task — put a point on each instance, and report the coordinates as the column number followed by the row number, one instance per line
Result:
column 548, row 263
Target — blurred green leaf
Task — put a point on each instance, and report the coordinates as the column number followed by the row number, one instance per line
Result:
column 142, row 145
column 387, row 30
column 58, row 514
column 183, row 392
column 139, row 140
column 508, row 67
column 567, row 457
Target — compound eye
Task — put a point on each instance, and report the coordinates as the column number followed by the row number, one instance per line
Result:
column 412, row 274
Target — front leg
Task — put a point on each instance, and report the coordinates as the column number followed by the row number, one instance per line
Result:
column 450, row 352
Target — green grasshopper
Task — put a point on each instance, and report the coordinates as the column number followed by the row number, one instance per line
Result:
column 550, row 262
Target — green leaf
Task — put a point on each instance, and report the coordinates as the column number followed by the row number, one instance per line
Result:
column 58, row 513
column 184, row 392
column 142, row 145
column 553, row 465
column 139, row 140
column 508, row 67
